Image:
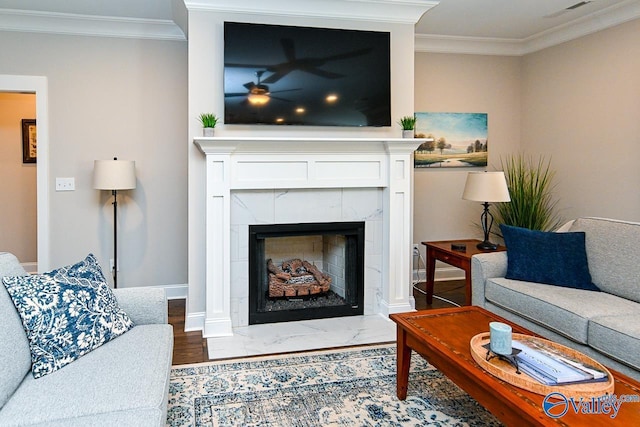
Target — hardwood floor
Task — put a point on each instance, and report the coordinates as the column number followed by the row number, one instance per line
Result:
column 190, row 347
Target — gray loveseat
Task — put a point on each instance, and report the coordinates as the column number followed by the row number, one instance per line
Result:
column 604, row 325
column 125, row 382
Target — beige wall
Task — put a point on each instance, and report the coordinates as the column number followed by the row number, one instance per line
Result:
column 577, row 103
column 18, row 228
column 463, row 84
column 581, row 107
column 114, row 97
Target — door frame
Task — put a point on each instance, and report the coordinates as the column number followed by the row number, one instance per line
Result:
column 39, row 86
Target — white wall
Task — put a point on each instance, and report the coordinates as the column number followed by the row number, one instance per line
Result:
column 114, row 97
column 463, row 84
column 581, row 107
column 18, row 227
column 206, row 95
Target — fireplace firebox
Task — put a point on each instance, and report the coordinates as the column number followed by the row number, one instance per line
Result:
column 305, row 271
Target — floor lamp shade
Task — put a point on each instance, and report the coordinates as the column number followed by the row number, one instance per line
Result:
column 114, row 174
column 486, row 187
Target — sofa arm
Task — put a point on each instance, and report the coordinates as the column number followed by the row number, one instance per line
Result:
column 143, row 305
column 483, row 267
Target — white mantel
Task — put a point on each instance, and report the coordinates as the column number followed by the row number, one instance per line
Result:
column 308, row 164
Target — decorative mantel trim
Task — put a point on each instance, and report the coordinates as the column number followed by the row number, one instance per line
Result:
column 398, row 11
column 307, row 163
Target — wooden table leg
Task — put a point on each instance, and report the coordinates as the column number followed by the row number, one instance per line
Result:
column 431, row 272
column 403, row 363
column 467, row 277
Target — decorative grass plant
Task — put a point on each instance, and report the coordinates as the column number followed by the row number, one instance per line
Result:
column 530, row 184
column 407, row 122
column 208, row 120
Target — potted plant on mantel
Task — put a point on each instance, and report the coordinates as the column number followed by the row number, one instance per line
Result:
column 408, row 124
column 209, row 122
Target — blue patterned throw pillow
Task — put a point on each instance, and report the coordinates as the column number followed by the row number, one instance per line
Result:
column 66, row 313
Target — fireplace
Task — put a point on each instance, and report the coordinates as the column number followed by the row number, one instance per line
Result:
column 298, row 180
column 305, row 271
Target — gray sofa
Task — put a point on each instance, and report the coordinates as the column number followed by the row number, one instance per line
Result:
column 604, row 325
column 125, row 382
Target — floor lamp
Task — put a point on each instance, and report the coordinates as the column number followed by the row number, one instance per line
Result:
column 114, row 175
column 486, row 187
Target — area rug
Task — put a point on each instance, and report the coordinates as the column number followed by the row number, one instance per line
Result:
column 350, row 387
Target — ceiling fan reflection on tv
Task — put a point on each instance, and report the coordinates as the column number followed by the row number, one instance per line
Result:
column 308, row 64
column 258, row 93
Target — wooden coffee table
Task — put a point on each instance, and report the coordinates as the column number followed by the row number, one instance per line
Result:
column 442, row 337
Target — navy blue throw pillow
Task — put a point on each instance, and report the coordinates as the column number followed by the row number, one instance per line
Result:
column 558, row 259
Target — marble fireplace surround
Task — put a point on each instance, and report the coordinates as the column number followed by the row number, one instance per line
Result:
column 294, row 180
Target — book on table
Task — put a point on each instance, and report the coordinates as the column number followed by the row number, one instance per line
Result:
column 551, row 367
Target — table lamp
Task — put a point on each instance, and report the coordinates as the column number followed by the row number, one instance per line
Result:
column 114, row 175
column 486, row 187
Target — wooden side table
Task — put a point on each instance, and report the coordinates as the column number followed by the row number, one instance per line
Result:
column 441, row 251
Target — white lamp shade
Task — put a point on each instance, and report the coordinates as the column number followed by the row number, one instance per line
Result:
column 114, row 174
column 486, row 187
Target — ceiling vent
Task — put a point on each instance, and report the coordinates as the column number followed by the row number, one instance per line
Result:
column 567, row 9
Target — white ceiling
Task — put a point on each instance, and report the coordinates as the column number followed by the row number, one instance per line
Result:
column 470, row 26
column 504, row 19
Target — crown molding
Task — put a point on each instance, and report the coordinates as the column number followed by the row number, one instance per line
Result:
column 606, row 18
column 467, row 45
column 394, row 11
column 88, row 25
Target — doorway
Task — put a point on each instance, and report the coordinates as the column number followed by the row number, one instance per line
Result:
column 37, row 86
column 18, row 167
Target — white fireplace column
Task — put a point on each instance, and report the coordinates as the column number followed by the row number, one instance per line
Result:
column 398, row 228
column 307, row 163
column 218, row 241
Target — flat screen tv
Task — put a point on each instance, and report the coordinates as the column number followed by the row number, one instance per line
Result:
column 288, row 75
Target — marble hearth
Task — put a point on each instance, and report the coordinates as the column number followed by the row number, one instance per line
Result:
column 253, row 181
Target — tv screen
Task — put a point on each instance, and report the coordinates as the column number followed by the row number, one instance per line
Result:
column 288, row 75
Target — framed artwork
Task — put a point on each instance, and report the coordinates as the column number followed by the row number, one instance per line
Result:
column 29, row 141
column 459, row 140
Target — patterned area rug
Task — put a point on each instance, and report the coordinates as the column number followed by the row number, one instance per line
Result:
column 352, row 387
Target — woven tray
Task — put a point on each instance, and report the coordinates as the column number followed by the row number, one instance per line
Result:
column 506, row 372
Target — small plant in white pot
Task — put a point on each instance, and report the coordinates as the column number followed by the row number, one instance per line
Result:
column 209, row 122
column 408, row 124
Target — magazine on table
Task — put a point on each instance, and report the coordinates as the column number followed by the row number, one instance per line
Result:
column 551, row 367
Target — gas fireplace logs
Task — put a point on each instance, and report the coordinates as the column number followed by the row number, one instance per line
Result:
column 296, row 278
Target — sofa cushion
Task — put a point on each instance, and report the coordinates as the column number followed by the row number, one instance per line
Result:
column 556, row 259
column 565, row 311
column 67, row 313
column 15, row 358
column 613, row 254
column 123, row 383
column 618, row 337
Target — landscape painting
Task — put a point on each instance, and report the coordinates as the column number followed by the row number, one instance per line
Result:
column 458, row 140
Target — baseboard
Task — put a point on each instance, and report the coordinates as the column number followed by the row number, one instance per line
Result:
column 30, row 267
column 442, row 273
column 194, row 322
column 174, row 291
column 449, row 273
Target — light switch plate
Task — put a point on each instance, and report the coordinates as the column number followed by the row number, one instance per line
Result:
column 65, row 184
